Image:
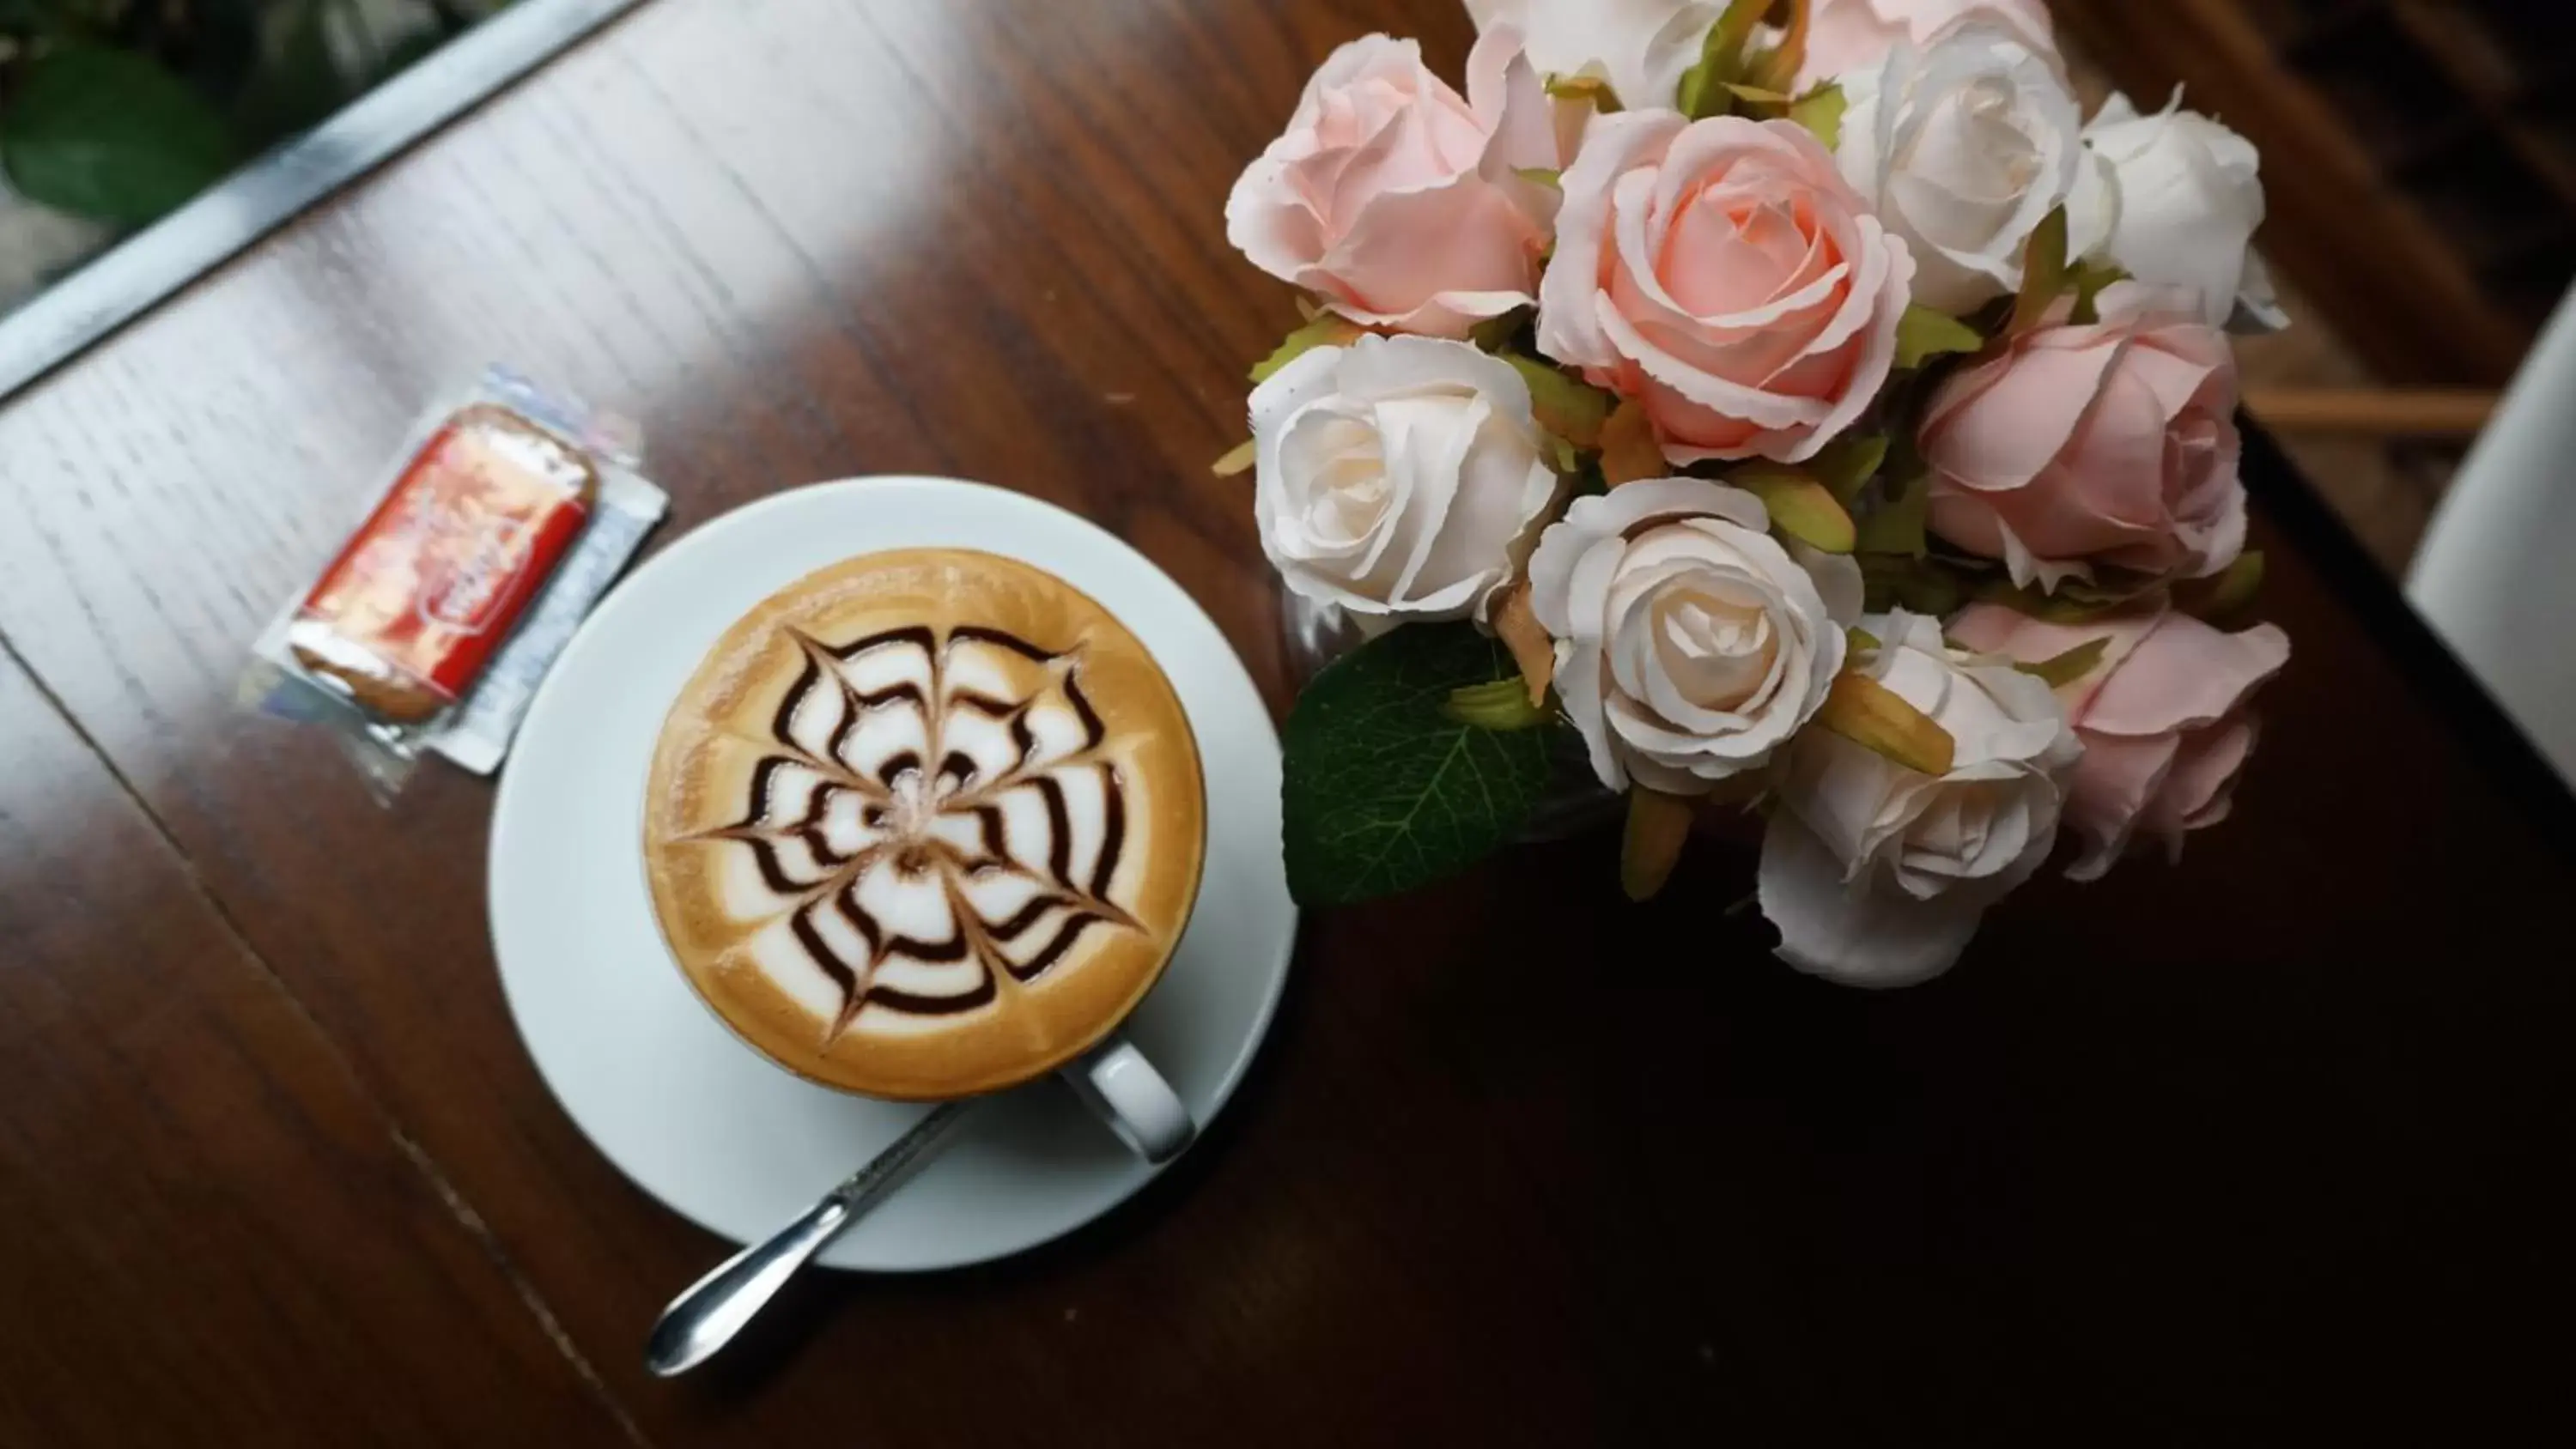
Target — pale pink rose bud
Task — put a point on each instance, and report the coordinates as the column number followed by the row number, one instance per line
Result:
column 2163, row 717
column 1397, row 201
column 1723, row 274
column 2111, row 444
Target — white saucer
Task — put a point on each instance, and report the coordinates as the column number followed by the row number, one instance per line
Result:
column 698, row 1119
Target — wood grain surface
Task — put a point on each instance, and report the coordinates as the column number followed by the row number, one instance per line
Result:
column 208, row 1233
column 2260, row 1142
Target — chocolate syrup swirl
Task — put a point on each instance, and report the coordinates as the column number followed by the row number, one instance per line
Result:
column 925, row 810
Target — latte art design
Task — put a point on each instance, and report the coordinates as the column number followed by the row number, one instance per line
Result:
column 923, row 824
column 939, row 807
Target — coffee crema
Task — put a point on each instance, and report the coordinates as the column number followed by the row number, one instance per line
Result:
column 924, row 824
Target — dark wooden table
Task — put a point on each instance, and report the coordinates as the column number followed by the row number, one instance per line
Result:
column 2274, row 1139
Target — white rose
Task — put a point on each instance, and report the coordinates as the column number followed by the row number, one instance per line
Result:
column 1963, row 148
column 1399, row 477
column 2190, row 198
column 1876, row 874
column 1845, row 37
column 1690, row 644
column 1641, row 47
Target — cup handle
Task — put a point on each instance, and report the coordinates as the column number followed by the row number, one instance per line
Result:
column 1117, row 1083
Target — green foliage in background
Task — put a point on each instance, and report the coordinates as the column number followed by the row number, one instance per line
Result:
column 120, row 110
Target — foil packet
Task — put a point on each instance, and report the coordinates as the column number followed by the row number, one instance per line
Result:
column 508, row 513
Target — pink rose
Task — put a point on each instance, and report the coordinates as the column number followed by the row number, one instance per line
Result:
column 2108, row 444
column 1847, row 37
column 2163, row 717
column 1395, row 201
column 1726, row 276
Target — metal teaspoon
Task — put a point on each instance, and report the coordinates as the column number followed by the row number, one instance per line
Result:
column 714, row 1309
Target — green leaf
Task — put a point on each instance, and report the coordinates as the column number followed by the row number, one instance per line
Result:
column 1923, row 334
column 1896, row 526
column 1756, row 94
column 1703, row 93
column 1565, row 405
column 1605, row 101
column 2043, row 272
column 1821, row 112
column 2061, row 670
column 2072, row 602
column 1918, row 586
column 1525, row 639
column 1800, row 504
column 1503, row 704
column 1861, row 640
column 297, row 78
column 1778, row 67
column 1383, row 791
column 1658, row 827
column 2228, row 592
column 1541, row 176
column 1734, row 27
column 109, row 134
column 1846, row 464
column 1628, row 447
column 1328, row 329
column 1878, row 719
column 1237, row 459
column 1496, row 334
column 2090, row 278
column 2225, row 594
column 1691, row 98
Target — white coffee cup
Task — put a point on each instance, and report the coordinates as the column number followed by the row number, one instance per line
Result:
column 1116, row 1081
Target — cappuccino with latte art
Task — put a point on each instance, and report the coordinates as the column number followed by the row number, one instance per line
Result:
column 925, row 824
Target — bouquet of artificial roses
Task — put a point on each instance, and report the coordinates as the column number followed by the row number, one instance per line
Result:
column 1792, row 404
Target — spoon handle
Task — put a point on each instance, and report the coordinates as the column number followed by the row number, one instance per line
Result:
column 707, row 1316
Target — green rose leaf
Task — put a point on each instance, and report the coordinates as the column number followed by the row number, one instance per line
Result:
column 1919, row 586
column 1563, row 403
column 2090, row 278
column 2044, row 273
column 1328, row 329
column 1501, row 704
column 1800, row 505
column 2072, row 602
column 1497, row 334
column 1658, row 828
column 1821, row 112
column 1846, row 464
column 1237, row 459
column 109, row 134
column 1878, row 719
column 1384, row 790
column 1590, row 89
column 1923, row 334
column 2061, row 670
column 1703, row 91
column 2225, row 594
column 1896, row 526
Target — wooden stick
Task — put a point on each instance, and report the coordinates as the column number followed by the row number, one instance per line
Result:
column 2373, row 412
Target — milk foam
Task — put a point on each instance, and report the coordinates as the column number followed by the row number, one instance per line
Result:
column 930, row 811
